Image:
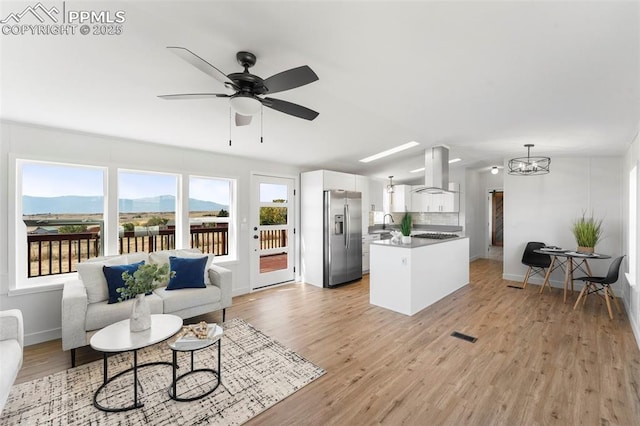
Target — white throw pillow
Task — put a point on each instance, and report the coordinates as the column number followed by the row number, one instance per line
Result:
column 90, row 272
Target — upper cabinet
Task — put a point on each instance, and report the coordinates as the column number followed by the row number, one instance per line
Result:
column 446, row 202
column 400, row 200
column 338, row 180
column 376, row 195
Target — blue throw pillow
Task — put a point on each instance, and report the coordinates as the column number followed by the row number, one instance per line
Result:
column 113, row 274
column 189, row 272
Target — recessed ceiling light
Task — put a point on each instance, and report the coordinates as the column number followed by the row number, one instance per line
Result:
column 454, row 160
column 494, row 170
column 390, row 152
column 421, row 169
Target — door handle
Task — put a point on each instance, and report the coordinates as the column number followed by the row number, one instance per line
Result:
column 255, row 237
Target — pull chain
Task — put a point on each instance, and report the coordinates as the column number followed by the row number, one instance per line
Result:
column 261, row 120
column 230, row 124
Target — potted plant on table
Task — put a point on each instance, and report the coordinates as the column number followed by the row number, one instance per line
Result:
column 405, row 228
column 137, row 285
column 587, row 231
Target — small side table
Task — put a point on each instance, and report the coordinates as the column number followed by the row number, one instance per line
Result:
column 191, row 347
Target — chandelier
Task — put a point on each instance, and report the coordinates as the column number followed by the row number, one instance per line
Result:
column 529, row 166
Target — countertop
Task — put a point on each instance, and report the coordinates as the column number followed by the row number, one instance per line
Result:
column 415, row 242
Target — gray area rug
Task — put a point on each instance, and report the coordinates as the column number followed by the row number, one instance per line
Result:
column 257, row 372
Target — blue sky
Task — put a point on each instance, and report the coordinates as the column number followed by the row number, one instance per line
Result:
column 48, row 180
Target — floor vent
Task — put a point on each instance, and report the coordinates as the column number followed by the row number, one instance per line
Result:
column 464, row 337
column 515, row 286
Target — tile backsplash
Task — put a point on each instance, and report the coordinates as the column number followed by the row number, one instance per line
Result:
column 375, row 217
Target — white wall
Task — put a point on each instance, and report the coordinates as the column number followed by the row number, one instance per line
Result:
column 42, row 310
column 474, row 215
column 542, row 208
column 631, row 294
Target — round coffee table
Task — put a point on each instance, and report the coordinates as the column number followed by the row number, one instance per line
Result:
column 192, row 346
column 118, row 338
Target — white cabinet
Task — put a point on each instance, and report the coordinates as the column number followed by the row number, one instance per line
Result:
column 366, row 242
column 338, row 180
column 446, row 202
column 377, row 192
column 362, row 186
column 399, row 200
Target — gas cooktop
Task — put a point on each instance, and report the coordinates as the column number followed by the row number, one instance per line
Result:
column 435, row 236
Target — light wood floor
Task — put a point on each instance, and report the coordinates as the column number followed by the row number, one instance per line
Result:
column 536, row 360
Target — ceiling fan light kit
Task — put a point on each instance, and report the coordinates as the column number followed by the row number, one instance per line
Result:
column 245, row 104
column 529, row 166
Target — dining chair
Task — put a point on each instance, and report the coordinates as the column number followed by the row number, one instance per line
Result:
column 593, row 284
column 536, row 262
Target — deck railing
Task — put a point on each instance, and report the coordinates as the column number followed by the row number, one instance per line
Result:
column 53, row 254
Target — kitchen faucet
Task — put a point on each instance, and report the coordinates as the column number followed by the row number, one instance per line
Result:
column 384, row 226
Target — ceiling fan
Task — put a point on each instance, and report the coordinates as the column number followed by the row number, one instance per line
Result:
column 244, row 89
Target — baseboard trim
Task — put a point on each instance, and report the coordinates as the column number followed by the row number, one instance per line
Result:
column 42, row 336
column 539, row 281
column 635, row 327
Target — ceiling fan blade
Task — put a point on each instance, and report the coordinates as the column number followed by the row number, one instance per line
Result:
column 290, row 108
column 193, row 96
column 290, row 79
column 202, row 65
column 243, row 120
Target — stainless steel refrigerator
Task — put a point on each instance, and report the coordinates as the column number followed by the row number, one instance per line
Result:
column 342, row 237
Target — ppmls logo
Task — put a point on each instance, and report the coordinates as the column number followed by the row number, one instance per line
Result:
column 38, row 11
column 40, row 20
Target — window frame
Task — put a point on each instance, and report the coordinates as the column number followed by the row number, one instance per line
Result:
column 232, row 219
column 19, row 281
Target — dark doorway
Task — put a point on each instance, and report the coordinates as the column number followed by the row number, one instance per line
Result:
column 497, row 219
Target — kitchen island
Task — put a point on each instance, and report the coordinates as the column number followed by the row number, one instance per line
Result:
column 407, row 278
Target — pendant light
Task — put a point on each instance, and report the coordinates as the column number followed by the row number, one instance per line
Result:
column 390, row 186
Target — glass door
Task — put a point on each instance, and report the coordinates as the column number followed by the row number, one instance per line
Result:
column 272, row 231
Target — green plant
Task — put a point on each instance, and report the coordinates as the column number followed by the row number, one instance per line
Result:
column 143, row 280
column 405, row 225
column 72, row 229
column 587, row 230
column 156, row 221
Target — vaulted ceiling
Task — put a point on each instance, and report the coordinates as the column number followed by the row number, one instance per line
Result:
column 483, row 78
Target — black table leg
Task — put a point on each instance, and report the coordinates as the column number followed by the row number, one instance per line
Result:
column 107, row 380
column 173, row 388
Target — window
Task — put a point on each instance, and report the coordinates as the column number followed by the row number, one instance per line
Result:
column 60, row 216
column 633, row 227
column 147, row 211
column 210, row 215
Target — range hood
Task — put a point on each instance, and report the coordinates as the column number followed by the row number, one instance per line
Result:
column 436, row 171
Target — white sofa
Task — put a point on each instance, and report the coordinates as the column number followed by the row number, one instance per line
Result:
column 11, row 346
column 85, row 307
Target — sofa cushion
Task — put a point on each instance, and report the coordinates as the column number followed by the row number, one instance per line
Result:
column 187, row 298
column 90, row 272
column 113, row 274
column 102, row 314
column 189, row 272
column 162, row 257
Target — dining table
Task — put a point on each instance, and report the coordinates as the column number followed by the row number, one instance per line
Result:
column 568, row 261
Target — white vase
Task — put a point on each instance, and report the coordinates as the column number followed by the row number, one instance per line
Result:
column 406, row 239
column 140, row 314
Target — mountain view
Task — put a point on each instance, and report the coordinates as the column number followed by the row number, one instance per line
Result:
column 89, row 205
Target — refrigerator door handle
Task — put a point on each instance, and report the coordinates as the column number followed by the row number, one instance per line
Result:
column 347, row 225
